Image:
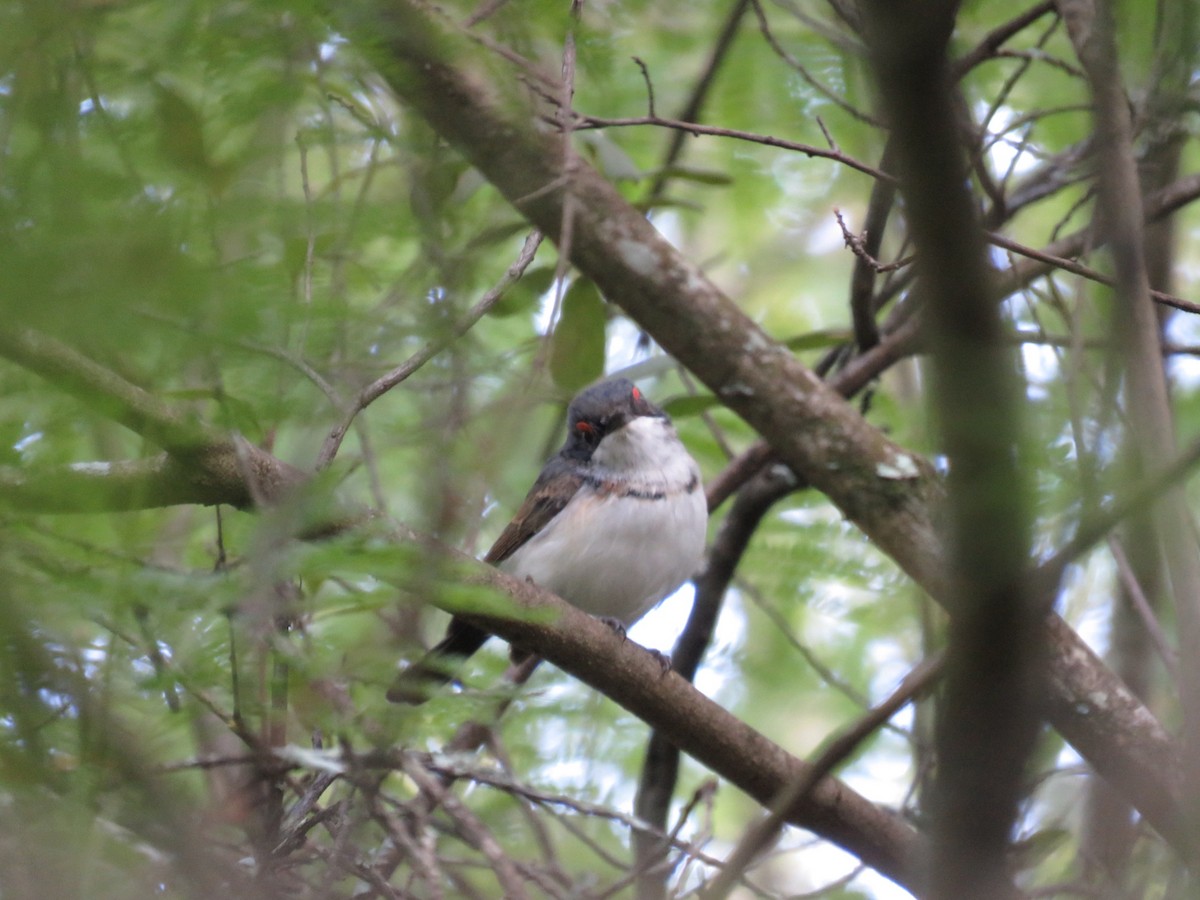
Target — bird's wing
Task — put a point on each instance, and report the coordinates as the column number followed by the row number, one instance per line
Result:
column 553, row 490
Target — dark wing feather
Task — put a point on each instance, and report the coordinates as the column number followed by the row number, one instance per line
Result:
column 558, row 483
column 418, row 681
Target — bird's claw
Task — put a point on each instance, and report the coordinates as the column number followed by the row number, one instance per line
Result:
column 664, row 661
column 615, row 624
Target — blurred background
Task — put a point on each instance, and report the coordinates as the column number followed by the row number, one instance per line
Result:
column 224, row 205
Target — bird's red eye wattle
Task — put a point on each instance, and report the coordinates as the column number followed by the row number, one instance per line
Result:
column 636, row 395
column 585, row 428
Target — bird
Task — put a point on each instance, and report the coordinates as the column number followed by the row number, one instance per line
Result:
column 615, row 522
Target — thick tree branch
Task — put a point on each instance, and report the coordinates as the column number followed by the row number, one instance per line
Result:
column 235, row 474
column 990, row 711
column 117, row 486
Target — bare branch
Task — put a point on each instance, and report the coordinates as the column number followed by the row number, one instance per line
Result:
column 811, row 150
column 760, row 835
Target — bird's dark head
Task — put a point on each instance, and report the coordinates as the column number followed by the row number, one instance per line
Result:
column 602, row 410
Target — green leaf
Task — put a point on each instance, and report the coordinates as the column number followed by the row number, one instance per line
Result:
column 611, row 158
column 577, row 347
column 685, row 407
column 1041, row 845
column 698, row 176
column 525, row 293
column 181, row 132
column 820, row 339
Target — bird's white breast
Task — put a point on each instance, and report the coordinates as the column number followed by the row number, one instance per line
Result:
column 631, row 535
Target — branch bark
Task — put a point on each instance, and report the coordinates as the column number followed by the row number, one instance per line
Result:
column 989, row 713
column 123, row 485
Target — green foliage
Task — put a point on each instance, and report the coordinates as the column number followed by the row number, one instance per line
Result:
column 577, row 347
column 222, row 203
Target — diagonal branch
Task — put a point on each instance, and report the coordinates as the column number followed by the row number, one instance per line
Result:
column 201, row 465
column 765, row 831
column 627, row 673
column 384, row 383
column 104, row 390
column 695, row 103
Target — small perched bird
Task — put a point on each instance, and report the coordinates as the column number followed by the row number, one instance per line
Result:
column 614, row 523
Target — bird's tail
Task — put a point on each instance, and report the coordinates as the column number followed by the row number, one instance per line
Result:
column 438, row 666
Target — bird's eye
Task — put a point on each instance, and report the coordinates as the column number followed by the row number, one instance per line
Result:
column 587, row 429
column 636, row 395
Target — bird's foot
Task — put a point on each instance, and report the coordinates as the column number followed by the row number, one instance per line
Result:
column 615, row 624
column 663, row 661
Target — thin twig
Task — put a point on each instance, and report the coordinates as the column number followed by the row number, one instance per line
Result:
column 694, row 106
column 997, row 37
column 472, row 829
column 763, row 833
column 385, row 383
column 588, row 122
column 1141, row 606
column 1083, row 271
column 1092, row 531
column 641, row 64
column 857, row 245
column 792, row 62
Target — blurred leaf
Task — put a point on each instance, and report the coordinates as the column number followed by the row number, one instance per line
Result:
column 712, row 177
column 181, row 139
column 498, row 233
column 1041, row 844
column 820, row 340
column 610, row 157
column 525, row 293
column 295, row 250
column 577, row 346
column 686, row 407
column 181, row 132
